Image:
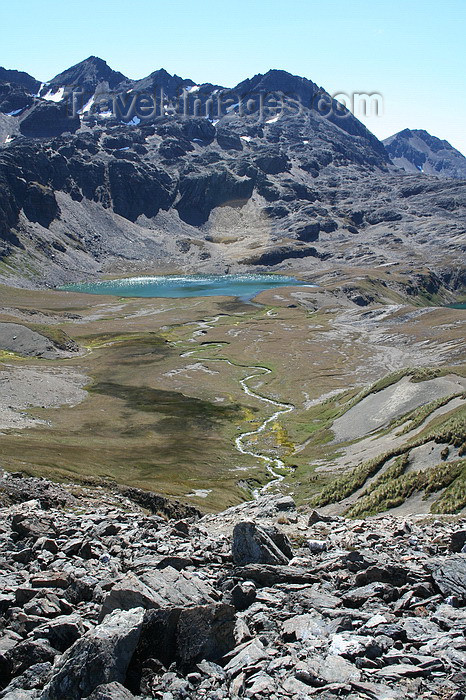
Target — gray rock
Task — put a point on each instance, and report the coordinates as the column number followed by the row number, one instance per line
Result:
column 205, row 632
column 458, row 541
column 61, row 632
column 316, row 517
column 317, row 546
column 252, row 545
column 111, row 691
column 394, row 671
column 156, row 589
column 351, row 646
column 130, row 593
column 34, row 677
column 285, row 504
column 389, row 573
column 269, row 575
column 246, row 655
column 243, row 595
column 100, row 656
column 334, row 669
column 308, row 626
column 30, row 526
column 25, row 654
column 449, row 575
column 178, row 587
column 358, row 596
column 51, row 579
column 9, row 640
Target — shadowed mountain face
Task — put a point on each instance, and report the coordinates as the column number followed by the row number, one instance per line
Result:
column 270, row 174
column 20, row 78
column 16, row 90
column 415, row 150
column 88, row 74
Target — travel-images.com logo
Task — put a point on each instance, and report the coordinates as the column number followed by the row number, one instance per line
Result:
column 133, row 108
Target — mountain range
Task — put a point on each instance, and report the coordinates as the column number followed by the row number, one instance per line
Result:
column 99, row 172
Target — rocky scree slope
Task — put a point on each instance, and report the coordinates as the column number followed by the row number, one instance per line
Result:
column 103, row 600
column 84, row 194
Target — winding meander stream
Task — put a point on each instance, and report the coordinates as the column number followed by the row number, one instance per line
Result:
column 272, row 463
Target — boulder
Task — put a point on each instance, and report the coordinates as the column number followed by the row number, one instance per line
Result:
column 181, row 636
column 34, row 677
column 30, row 526
column 248, row 654
column 388, row 573
column 111, row 691
column 270, row 575
column 253, row 545
column 317, row 546
column 100, row 656
column 156, row 589
column 358, row 596
column 19, row 658
column 61, row 632
column 449, row 575
column 130, row 593
column 243, row 594
column 333, row 669
column 205, row 632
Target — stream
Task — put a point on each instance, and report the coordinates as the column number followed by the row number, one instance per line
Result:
column 272, row 463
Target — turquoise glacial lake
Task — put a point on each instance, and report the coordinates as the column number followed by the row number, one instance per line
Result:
column 176, row 286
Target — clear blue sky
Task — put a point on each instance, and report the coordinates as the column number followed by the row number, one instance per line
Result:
column 411, row 51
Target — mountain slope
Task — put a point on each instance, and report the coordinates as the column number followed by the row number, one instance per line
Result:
column 273, row 179
column 416, row 150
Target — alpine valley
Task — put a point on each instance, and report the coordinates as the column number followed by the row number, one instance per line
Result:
column 220, row 310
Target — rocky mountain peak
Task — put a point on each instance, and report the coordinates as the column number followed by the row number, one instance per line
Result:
column 415, row 150
column 278, row 81
column 162, row 79
column 88, row 74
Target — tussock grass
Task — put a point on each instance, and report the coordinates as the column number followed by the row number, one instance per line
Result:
column 346, row 484
column 57, row 335
column 443, row 475
column 449, row 429
column 394, row 487
column 388, row 495
column 417, row 417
